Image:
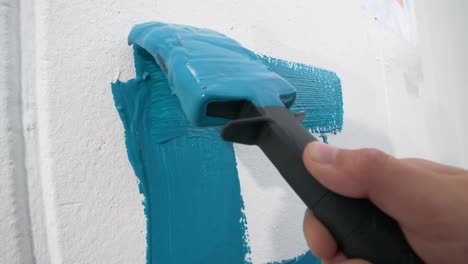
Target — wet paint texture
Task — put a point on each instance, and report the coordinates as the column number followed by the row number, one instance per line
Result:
column 205, row 66
column 188, row 175
column 318, row 94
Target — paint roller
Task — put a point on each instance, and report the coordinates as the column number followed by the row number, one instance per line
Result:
column 220, row 83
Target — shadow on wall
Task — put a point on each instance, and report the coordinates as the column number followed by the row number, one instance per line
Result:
column 274, row 212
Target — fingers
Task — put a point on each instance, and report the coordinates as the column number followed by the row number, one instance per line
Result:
column 388, row 182
column 433, row 167
column 322, row 244
column 351, row 261
column 319, row 240
column 424, row 197
column 341, row 259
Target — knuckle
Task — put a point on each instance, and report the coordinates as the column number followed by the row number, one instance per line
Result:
column 372, row 159
column 373, row 155
column 362, row 165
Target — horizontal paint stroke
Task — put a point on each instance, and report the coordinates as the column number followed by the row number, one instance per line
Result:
column 318, row 94
column 188, row 175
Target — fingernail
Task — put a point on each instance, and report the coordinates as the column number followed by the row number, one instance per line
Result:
column 323, row 153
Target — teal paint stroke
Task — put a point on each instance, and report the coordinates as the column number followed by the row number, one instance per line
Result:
column 318, row 94
column 306, row 258
column 188, row 175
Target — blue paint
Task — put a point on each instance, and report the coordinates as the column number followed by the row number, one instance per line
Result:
column 318, row 94
column 306, row 258
column 204, row 66
column 187, row 174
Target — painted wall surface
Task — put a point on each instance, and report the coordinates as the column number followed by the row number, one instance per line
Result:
column 68, row 193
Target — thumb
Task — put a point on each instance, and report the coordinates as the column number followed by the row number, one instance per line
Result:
column 388, row 182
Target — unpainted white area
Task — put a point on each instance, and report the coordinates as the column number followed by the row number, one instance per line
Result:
column 68, row 193
column 405, row 99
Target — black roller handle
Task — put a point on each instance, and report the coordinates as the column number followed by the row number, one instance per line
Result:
column 360, row 229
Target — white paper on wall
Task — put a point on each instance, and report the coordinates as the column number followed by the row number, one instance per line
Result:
column 397, row 15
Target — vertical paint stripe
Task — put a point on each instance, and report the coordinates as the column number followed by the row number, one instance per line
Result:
column 187, row 175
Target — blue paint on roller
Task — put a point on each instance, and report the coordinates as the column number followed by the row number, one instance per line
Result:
column 187, row 174
column 204, row 66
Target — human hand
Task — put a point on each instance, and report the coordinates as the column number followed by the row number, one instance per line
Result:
column 428, row 200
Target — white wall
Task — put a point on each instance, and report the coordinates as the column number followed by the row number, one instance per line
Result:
column 15, row 235
column 68, row 183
